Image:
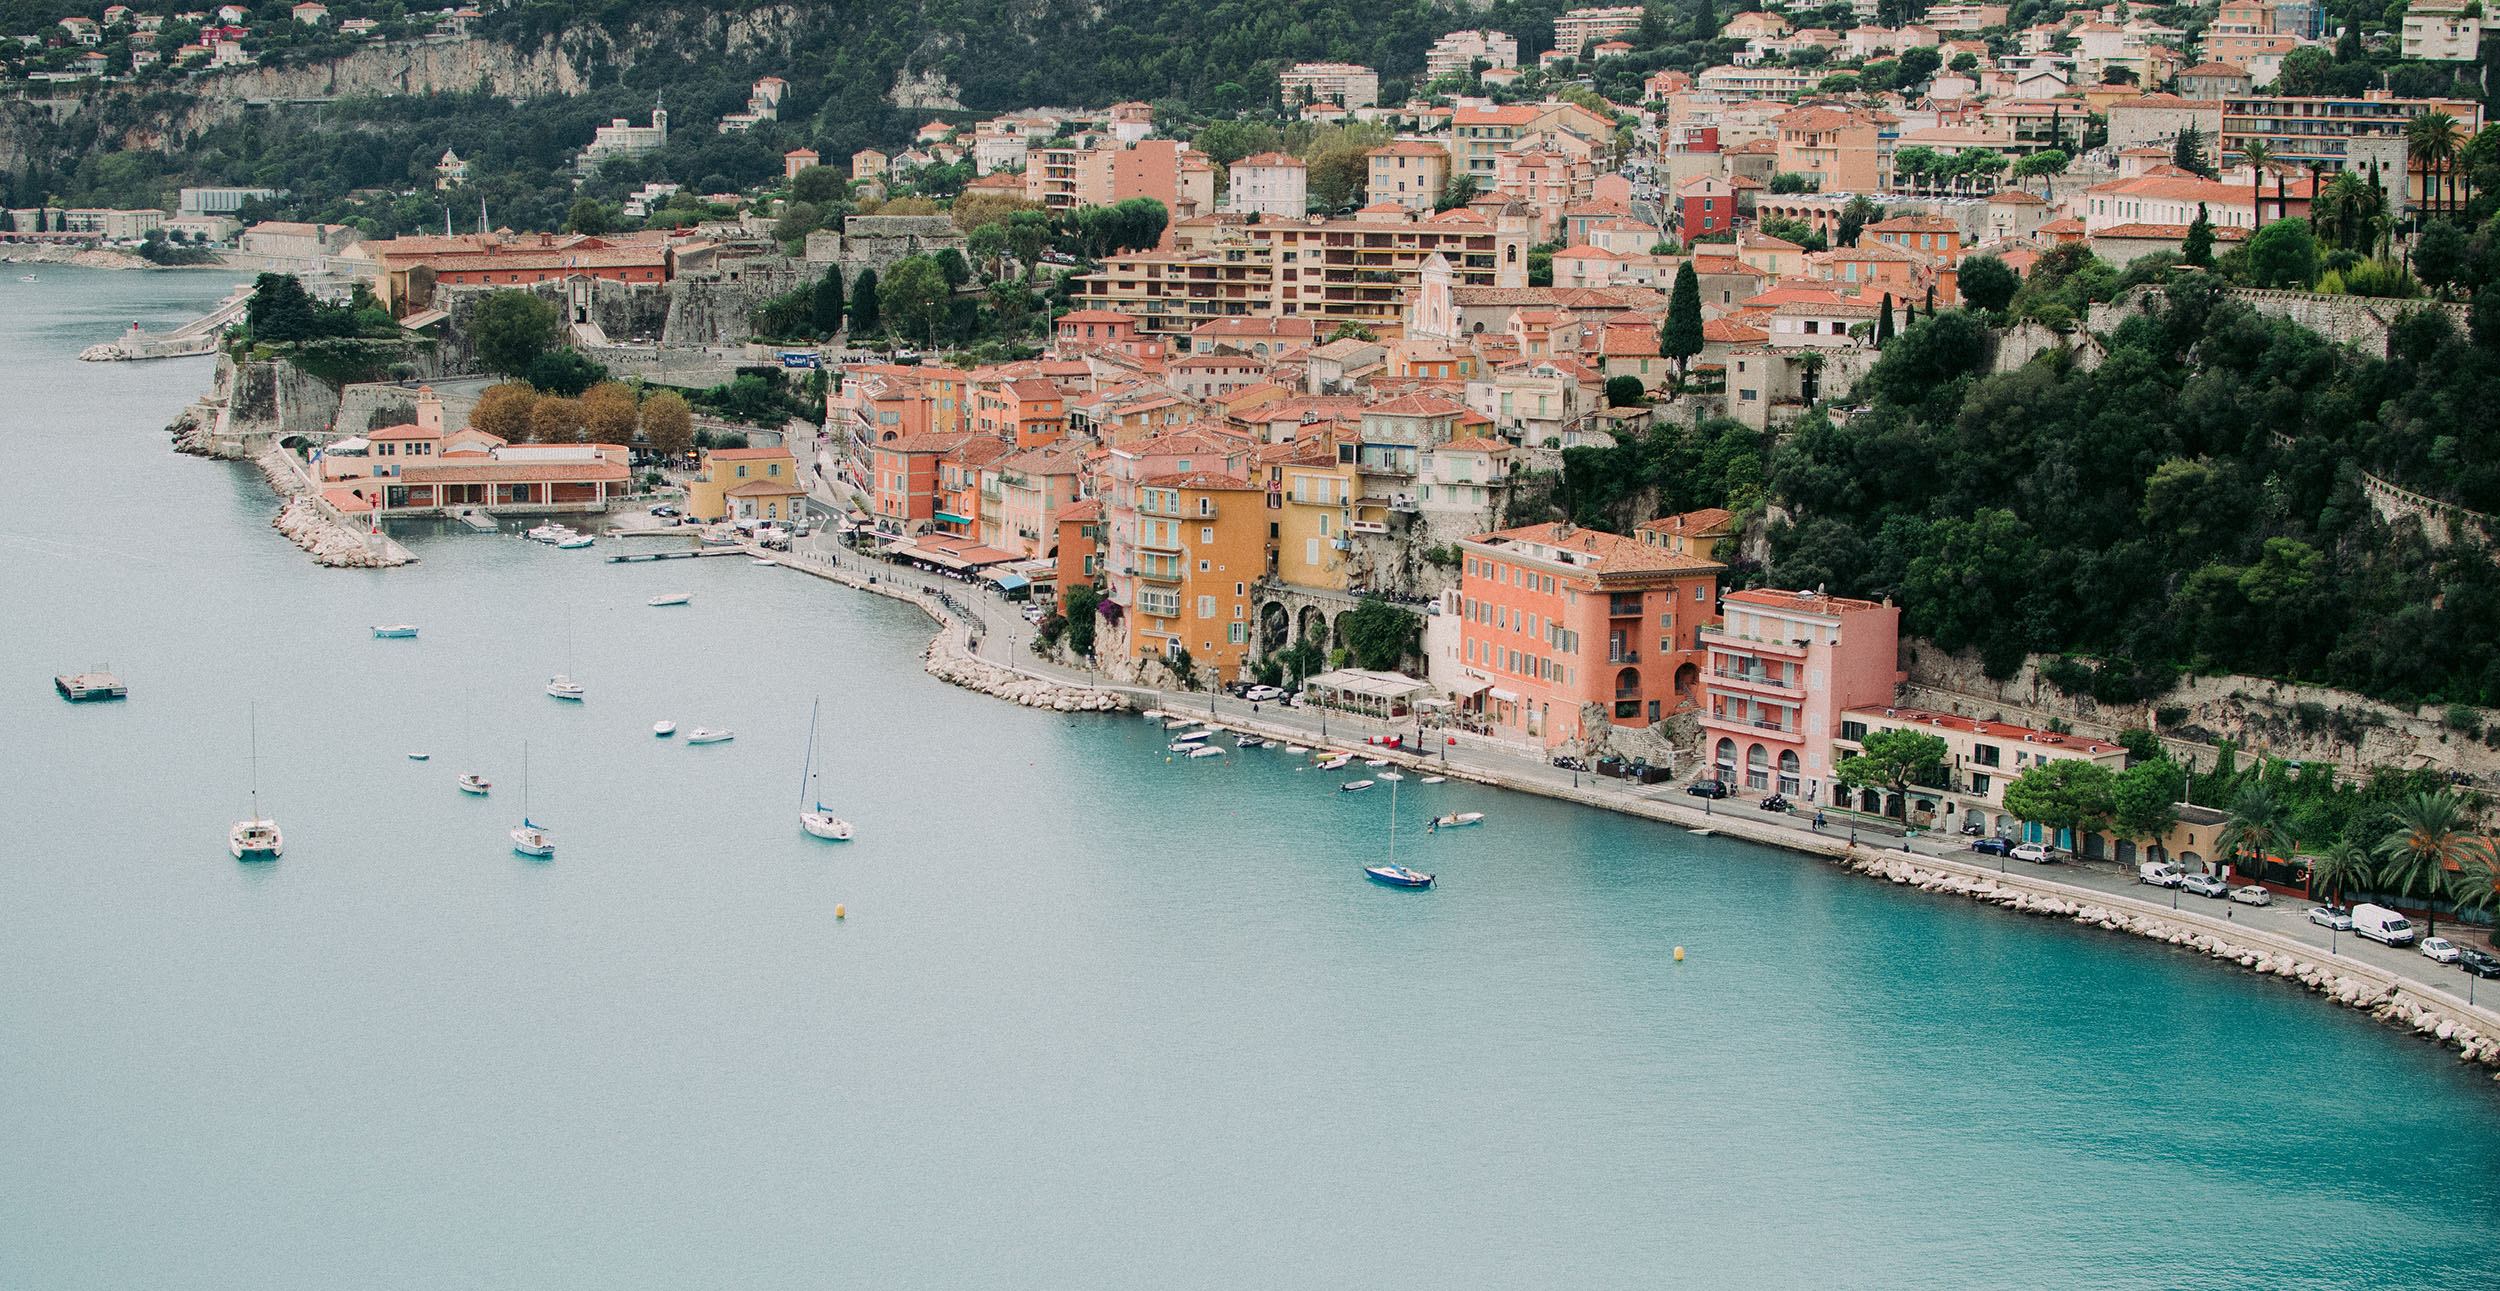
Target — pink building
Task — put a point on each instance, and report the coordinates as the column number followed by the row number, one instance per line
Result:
column 1557, row 629
column 1782, row 668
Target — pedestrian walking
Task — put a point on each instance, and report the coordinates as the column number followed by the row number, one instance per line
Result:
column 1818, row 819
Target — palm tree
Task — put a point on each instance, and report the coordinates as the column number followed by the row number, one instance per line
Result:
column 2431, row 144
column 2258, row 156
column 2258, row 825
column 2345, row 867
column 2428, row 834
column 2475, row 888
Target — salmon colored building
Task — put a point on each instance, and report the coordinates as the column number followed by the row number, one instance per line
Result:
column 1566, row 631
column 1782, row 668
column 1080, row 545
column 906, row 484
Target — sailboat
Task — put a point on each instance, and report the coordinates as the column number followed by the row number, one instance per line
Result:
column 562, row 685
column 527, row 838
column 814, row 818
column 1389, row 871
column 471, row 782
column 259, row 838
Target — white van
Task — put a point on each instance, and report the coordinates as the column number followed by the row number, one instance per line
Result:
column 2161, row 874
column 2378, row 923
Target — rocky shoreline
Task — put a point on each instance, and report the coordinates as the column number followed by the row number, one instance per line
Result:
column 2384, row 1001
column 85, row 258
column 309, row 525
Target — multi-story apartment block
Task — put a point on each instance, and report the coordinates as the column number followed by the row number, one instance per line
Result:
column 2442, row 30
column 1782, row 668
column 1966, row 17
column 1567, row 632
column 1577, row 29
column 1409, row 173
column 1482, row 133
column 2336, row 132
column 1064, row 179
column 1201, row 542
column 1311, row 501
column 1273, row 185
column 1331, row 271
column 1344, row 85
column 1459, row 51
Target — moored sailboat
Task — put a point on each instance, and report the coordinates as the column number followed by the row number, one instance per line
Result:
column 812, row 814
column 529, row 838
column 256, row 839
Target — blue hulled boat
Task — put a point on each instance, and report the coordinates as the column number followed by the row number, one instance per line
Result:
column 1397, row 876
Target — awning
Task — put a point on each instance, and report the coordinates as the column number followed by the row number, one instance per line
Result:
column 1011, row 582
column 935, row 557
column 949, row 517
column 1505, row 696
column 1375, row 685
column 424, row 318
column 1470, row 689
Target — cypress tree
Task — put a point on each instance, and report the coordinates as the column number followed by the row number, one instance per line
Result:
column 826, row 310
column 1679, row 338
column 2198, row 247
column 864, row 301
column 1883, row 321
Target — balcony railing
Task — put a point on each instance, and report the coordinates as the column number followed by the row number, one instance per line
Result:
column 1623, row 656
column 1753, row 678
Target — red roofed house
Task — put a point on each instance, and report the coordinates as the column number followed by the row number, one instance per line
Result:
column 905, row 485
column 1567, row 633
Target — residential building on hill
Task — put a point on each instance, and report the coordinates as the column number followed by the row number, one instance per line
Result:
column 1344, row 85
column 1782, row 667
column 1459, row 51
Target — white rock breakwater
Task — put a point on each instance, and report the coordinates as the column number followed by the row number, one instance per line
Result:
column 2386, row 1002
column 951, row 660
column 310, row 525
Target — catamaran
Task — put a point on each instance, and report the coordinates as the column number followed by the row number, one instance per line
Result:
column 812, row 814
column 528, row 838
column 259, row 838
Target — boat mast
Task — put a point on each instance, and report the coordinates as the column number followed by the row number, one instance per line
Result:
column 1393, row 822
column 254, row 711
column 807, row 772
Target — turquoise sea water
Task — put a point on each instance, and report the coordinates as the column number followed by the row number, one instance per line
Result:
column 1094, row 1020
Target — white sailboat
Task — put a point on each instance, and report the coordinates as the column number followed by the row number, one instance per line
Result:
column 812, row 814
column 472, row 781
column 1389, row 872
column 259, row 838
column 562, row 685
column 527, row 837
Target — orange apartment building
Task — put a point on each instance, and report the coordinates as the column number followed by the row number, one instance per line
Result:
column 1835, row 148
column 1080, row 545
column 1201, row 543
column 1782, row 668
column 905, row 483
column 1564, row 631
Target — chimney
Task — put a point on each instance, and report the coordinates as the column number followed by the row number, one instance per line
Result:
column 429, row 411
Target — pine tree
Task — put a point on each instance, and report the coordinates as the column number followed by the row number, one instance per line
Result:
column 1679, row 338
column 2198, row 249
column 2188, row 152
column 864, row 302
column 1883, row 321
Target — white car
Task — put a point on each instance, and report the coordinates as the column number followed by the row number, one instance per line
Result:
column 1262, row 694
column 2036, row 853
column 2252, row 895
column 2441, row 949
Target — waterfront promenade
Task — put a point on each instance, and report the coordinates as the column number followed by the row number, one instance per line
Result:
column 974, row 614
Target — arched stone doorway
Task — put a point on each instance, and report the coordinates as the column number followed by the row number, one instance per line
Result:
column 1726, row 762
column 1788, row 771
column 1687, row 677
column 1275, row 628
column 1757, row 767
column 1312, row 626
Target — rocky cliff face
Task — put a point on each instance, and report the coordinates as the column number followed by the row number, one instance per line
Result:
column 404, row 67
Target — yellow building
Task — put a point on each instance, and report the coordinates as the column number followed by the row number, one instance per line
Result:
column 1315, row 510
column 1201, row 544
column 746, row 484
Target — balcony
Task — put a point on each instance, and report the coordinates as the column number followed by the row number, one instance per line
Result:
column 1752, row 679
column 1623, row 607
column 1729, row 641
column 1367, row 526
column 1623, row 656
column 1160, row 573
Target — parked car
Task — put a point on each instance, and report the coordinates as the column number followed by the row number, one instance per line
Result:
column 2441, row 949
column 2252, row 895
column 2205, row 885
column 1706, row 789
column 2380, row 924
column 1262, row 694
column 664, row 512
column 1992, row 846
column 2036, row 853
column 2331, row 916
column 2160, row 874
column 2481, row 963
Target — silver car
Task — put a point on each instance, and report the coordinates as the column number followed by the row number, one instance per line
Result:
column 2252, row 895
column 2331, row 916
column 2205, row 885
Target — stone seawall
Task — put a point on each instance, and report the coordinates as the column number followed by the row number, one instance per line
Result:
column 311, row 524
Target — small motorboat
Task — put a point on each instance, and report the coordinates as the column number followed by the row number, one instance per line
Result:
column 1375, row 762
column 395, row 630
column 1154, row 714
column 474, row 783
column 1391, row 775
column 1354, row 786
column 576, row 542
column 1458, row 818
column 1191, row 737
column 548, row 532
column 1397, row 876
column 530, row 840
column 1177, row 723
column 1250, row 742
column 716, row 541
column 765, row 561
column 1205, row 751
column 1436, row 779
column 419, row 757
column 1297, row 749
column 1336, row 763
column 664, row 729
column 670, row 598
column 706, row 735
column 1183, row 746
column 564, row 687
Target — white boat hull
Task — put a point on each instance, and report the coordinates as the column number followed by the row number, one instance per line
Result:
column 532, row 842
column 701, row 736
column 664, row 729
column 678, row 598
column 474, row 784
column 256, row 840
column 564, row 688
column 824, row 824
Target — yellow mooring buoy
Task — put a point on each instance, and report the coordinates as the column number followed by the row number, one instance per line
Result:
column 1679, row 951
column 838, row 912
